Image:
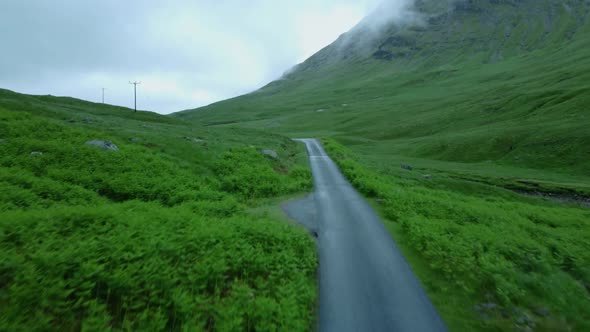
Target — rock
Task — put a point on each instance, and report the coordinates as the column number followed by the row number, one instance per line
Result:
column 320, row 110
column 525, row 320
column 146, row 126
column 195, row 140
column 271, row 153
column 87, row 120
column 407, row 167
column 36, row 154
column 485, row 316
column 134, row 139
column 344, row 105
column 427, row 177
column 542, row 312
column 489, row 306
column 104, row 145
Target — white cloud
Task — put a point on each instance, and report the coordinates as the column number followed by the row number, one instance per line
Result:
column 186, row 53
column 316, row 29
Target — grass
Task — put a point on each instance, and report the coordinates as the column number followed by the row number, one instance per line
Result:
column 524, row 117
column 486, row 97
column 472, row 244
column 174, row 231
column 159, row 236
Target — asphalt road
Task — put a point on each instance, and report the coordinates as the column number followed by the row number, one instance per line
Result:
column 365, row 283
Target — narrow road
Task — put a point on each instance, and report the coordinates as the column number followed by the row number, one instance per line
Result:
column 365, row 282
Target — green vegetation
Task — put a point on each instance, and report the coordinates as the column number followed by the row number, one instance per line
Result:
column 156, row 236
column 173, row 232
column 478, row 244
column 481, row 96
column 450, row 106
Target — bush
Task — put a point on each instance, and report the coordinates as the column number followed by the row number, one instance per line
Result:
column 519, row 253
column 136, row 240
column 251, row 175
column 142, row 267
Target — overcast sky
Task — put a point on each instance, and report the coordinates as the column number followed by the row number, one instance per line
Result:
column 186, row 53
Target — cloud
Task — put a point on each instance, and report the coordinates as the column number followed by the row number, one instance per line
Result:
column 186, row 53
column 389, row 12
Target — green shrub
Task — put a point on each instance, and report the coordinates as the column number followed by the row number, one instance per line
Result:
column 140, row 266
column 143, row 240
column 519, row 253
column 252, row 175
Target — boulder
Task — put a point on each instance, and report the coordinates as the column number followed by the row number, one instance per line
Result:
column 407, row 167
column 542, row 312
column 195, row 140
column 104, row 145
column 485, row 316
column 489, row 306
column 525, row 320
column 36, row 154
column 271, row 153
column 427, row 177
column 134, row 139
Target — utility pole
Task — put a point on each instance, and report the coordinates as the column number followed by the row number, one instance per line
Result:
column 135, row 92
column 103, row 95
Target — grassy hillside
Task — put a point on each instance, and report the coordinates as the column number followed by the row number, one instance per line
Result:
column 477, row 96
column 490, row 259
column 155, row 236
column 450, row 99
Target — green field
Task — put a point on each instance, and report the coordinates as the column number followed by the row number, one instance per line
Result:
column 159, row 235
column 474, row 244
column 481, row 98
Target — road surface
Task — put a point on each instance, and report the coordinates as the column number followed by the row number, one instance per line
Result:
column 365, row 283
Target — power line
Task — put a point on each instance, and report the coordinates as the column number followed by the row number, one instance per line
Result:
column 103, row 95
column 135, row 92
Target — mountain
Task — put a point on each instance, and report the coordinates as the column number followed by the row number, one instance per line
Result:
column 506, row 81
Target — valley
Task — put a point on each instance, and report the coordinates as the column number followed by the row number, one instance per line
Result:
column 463, row 124
column 459, row 127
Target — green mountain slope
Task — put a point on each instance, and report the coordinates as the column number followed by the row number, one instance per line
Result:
column 478, row 81
column 170, row 232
